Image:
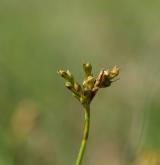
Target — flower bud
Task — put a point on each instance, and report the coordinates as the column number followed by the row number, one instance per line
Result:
column 112, row 73
column 87, row 70
column 77, row 88
column 70, row 77
column 105, row 77
column 89, row 83
column 66, row 75
column 62, row 73
column 68, row 85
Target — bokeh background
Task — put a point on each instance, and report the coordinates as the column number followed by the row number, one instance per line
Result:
column 40, row 122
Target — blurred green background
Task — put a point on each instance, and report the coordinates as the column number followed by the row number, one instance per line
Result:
column 40, row 122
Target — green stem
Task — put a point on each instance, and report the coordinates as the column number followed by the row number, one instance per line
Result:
column 85, row 135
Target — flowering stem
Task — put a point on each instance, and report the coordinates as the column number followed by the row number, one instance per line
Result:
column 85, row 135
column 86, row 93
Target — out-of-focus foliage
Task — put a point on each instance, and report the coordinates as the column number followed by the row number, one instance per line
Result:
column 40, row 122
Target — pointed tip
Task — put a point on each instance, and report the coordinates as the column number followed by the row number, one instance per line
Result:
column 60, row 71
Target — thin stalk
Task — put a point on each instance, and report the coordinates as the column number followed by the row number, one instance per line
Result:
column 85, row 135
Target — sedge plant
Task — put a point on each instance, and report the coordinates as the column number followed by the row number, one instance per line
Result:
column 86, row 92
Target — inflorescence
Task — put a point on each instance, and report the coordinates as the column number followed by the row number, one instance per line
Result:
column 91, row 84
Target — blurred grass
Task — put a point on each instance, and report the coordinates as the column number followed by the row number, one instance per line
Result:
column 39, row 37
